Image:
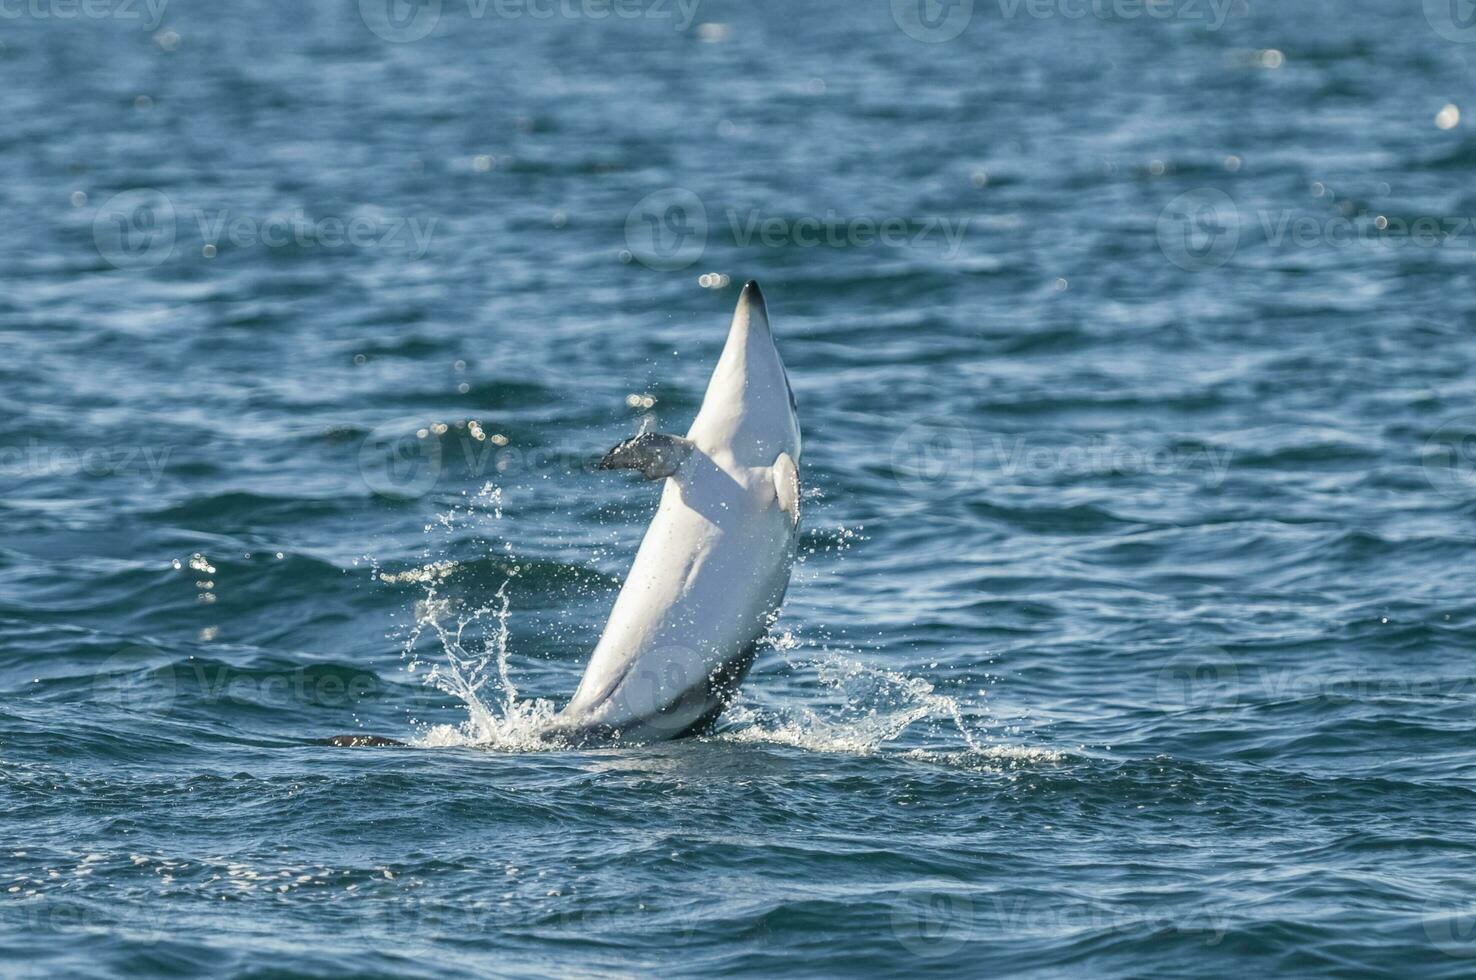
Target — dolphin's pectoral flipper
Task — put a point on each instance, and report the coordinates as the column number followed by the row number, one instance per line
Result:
column 786, row 487
column 655, row 454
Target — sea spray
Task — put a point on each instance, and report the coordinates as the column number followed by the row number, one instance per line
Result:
column 482, row 681
column 462, row 650
column 867, row 707
column 469, row 658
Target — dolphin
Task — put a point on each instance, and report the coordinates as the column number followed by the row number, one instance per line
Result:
column 714, row 566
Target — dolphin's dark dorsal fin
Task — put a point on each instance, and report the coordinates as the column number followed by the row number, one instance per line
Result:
column 655, row 454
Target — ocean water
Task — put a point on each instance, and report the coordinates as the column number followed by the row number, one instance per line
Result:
column 1134, row 628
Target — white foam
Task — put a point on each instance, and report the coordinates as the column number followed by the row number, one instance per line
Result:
column 866, row 709
column 497, row 717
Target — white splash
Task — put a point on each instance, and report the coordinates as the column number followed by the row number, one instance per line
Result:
column 868, row 707
column 865, row 709
column 497, row 717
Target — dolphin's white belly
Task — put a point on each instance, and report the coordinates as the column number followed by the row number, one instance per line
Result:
column 706, row 583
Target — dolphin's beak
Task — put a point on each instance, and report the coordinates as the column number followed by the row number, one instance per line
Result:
column 747, row 409
column 751, row 302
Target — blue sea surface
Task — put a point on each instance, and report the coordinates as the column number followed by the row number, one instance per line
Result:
column 1134, row 629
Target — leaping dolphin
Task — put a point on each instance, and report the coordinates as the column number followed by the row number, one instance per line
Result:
column 712, row 571
column 714, row 566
